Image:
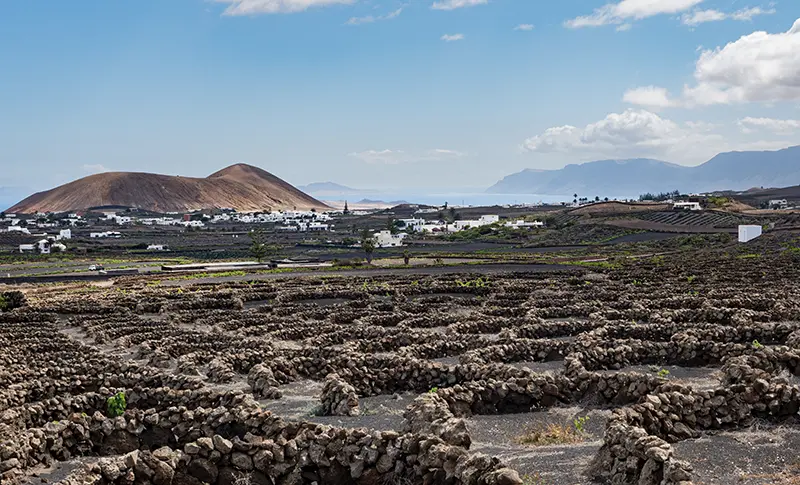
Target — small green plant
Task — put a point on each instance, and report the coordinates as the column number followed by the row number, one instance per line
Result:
column 580, row 424
column 433, row 390
column 690, row 279
column 663, row 373
column 749, row 256
column 757, row 344
column 477, row 283
column 116, row 405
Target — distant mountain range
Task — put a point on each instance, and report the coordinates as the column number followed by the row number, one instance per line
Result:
column 330, row 189
column 241, row 187
column 629, row 178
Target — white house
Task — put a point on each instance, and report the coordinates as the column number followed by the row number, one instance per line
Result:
column 692, row 206
column 411, row 224
column 385, row 239
column 434, row 227
column 44, row 246
column 65, row 234
column 748, row 233
column 21, row 229
column 521, row 224
column 157, row 247
column 121, row 220
column 111, row 234
column 27, row 248
column 778, row 204
column 484, row 220
column 318, row 226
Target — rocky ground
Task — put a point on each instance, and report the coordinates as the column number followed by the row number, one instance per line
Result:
column 669, row 370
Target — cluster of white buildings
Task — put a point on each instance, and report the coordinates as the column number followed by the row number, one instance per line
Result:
column 441, row 227
column 292, row 220
column 105, row 234
column 39, row 221
column 48, row 243
column 306, row 227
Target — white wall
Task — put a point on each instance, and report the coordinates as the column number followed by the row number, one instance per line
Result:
column 748, row 233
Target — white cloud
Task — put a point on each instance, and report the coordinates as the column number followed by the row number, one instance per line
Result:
column 782, row 127
column 649, row 96
column 524, row 27
column 758, row 67
column 94, row 168
column 625, row 10
column 396, row 157
column 452, row 37
column 454, row 4
column 749, row 13
column 624, row 27
column 255, row 7
column 702, row 16
column 640, row 133
column 633, row 133
column 371, row 18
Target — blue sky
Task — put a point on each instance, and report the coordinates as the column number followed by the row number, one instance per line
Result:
column 385, row 93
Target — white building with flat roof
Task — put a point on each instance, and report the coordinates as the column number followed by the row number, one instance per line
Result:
column 691, row 206
column 385, row 239
column 521, row 224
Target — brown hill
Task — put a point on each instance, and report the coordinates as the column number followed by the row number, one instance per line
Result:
column 241, row 187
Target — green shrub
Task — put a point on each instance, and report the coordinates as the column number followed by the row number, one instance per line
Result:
column 116, row 405
column 580, row 424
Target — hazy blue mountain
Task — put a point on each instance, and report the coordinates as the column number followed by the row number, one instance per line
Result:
column 732, row 171
column 745, row 170
column 327, row 187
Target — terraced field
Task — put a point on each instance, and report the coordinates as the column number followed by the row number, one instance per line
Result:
column 671, row 370
column 700, row 218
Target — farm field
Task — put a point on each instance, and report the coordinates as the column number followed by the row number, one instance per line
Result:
column 672, row 369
